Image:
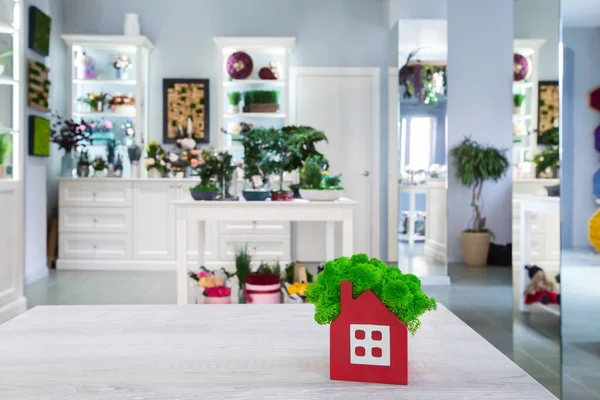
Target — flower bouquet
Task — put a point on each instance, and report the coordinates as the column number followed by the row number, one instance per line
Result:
column 96, row 101
column 264, row 285
column 213, row 287
column 155, row 164
column 122, row 104
column 122, row 64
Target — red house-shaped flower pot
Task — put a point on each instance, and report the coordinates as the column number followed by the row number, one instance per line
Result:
column 368, row 343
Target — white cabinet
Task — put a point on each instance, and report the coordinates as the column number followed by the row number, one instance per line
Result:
column 94, row 246
column 95, row 192
column 95, row 220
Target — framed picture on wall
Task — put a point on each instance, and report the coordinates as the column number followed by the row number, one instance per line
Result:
column 39, row 31
column 38, row 86
column 185, row 105
column 39, row 136
column 548, row 111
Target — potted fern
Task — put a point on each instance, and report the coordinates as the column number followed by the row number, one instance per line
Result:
column 475, row 164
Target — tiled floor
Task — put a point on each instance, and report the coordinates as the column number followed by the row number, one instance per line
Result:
column 482, row 297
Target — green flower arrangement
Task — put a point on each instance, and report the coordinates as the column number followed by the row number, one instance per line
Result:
column 400, row 293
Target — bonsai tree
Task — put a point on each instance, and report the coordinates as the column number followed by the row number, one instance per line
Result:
column 206, row 171
column 255, row 160
column 279, row 154
column 400, row 293
column 303, row 144
column 224, row 169
column 476, row 164
column 315, row 177
column 550, row 157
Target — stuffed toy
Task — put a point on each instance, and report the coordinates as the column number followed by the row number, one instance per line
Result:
column 540, row 289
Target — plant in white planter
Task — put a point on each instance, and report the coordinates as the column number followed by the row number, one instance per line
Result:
column 5, row 151
column 317, row 184
column 234, row 102
column 476, row 164
column 518, row 100
column 2, row 56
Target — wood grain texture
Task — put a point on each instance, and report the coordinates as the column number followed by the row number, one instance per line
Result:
column 232, row 352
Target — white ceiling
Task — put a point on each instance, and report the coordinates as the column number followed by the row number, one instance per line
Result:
column 431, row 36
column 581, row 13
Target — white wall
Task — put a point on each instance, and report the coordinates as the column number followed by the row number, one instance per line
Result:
column 416, row 9
column 479, row 105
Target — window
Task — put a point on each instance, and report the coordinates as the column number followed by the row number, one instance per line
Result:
column 370, row 344
column 417, row 143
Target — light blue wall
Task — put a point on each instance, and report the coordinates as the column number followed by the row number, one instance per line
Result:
column 579, row 158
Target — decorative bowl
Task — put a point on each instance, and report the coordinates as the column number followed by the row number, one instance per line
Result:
column 256, row 195
column 239, row 65
column 321, row 195
column 203, row 194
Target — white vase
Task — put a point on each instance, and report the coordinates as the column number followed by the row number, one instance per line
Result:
column 234, row 109
column 132, row 25
column 154, row 173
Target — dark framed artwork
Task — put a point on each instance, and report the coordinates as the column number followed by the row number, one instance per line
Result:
column 39, row 31
column 184, row 99
column 38, row 86
column 548, row 107
column 39, row 136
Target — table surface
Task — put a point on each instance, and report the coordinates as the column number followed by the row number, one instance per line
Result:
column 343, row 202
column 232, row 352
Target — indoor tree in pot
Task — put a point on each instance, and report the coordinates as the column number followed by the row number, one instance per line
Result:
column 208, row 165
column 317, row 184
column 302, row 142
column 255, row 164
column 279, row 153
column 476, row 164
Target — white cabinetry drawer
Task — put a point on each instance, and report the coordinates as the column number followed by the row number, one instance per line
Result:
column 95, row 220
column 263, row 248
column 101, row 193
column 94, row 246
column 254, row 227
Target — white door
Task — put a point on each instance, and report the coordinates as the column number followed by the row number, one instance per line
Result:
column 344, row 103
column 153, row 220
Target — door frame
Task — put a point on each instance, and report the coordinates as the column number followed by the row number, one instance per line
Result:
column 393, row 131
column 375, row 170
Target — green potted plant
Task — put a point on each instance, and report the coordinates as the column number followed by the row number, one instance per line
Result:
column 83, row 164
column 518, row 100
column 547, row 162
column 279, row 160
column 243, row 262
column 234, row 102
column 255, row 164
column 99, row 164
column 317, row 183
column 206, row 171
column 5, row 151
column 303, row 142
column 261, row 101
column 475, row 164
column 2, row 56
column 224, row 174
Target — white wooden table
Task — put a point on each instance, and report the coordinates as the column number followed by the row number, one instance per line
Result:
column 232, row 352
column 533, row 204
column 189, row 211
column 412, row 191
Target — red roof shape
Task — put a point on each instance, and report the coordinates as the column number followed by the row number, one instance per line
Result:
column 368, row 301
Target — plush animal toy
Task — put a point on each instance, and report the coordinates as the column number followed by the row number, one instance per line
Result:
column 540, row 289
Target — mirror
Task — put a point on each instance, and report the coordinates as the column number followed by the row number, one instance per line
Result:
column 580, row 177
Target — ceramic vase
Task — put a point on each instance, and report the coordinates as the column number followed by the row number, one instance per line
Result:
column 234, row 109
column 83, row 170
column 154, row 173
column 67, row 165
column 122, row 74
column 132, row 25
column 135, row 169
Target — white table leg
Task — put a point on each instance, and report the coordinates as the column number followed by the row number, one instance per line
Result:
column 411, row 219
column 348, row 236
column 182, row 260
column 201, row 243
column 329, row 240
column 525, row 253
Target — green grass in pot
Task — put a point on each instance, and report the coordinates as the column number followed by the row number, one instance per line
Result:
column 234, row 98
column 5, row 147
column 518, row 100
column 261, row 97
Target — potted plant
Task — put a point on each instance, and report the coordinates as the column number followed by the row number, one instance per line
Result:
column 476, row 164
column 234, row 102
column 95, row 101
column 214, row 289
column 224, row 174
column 83, row 164
column 264, row 285
column 302, row 143
column 296, row 279
column 5, row 151
column 547, row 162
column 255, row 164
column 99, row 164
column 69, row 135
column 2, row 56
column 122, row 65
column 206, row 170
column 365, row 299
column 261, row 101
column 155, row 164
column 278, row 160
column 317, row 184
column 518, row 100
column 243, row 262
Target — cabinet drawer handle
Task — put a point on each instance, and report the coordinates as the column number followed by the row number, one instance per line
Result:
column 94, row 194
column 94, row 246
column 95, row 220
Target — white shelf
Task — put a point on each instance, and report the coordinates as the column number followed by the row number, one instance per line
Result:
column 8, row 130
column 103, row 114
column 254, row 115
column 551, row 308
column 520, row 118
column 5, row 80
column 417, row 238
column 253, row 82
column 522, row 85
column 5, row 27
column 104, row 82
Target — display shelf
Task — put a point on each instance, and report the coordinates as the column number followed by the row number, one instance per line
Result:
column 551, row 308
column 253, row 115
column 522, row 85
column 5, row 80
column 105, row 82
column 102, row 114
column 524, row 117
column 5, row 27
column 253, row 82
column 416, row 238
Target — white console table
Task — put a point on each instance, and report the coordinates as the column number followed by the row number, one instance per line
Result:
column 533, row 204
column 297, row 210
column 412, row 191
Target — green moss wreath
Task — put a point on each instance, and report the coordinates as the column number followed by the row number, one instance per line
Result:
column 400, row 293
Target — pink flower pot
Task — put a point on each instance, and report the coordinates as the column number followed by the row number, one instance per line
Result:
column 264, row 294
column 217, row 300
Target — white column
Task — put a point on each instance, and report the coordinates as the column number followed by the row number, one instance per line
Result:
column 182, row 257
column 480, row 58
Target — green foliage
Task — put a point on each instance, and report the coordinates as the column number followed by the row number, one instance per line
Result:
column 99, row 164
column 314, row 177
column 203, row 188
column 234, row 98
column 302, row 144
column 400, row 293
column 5, row 147
column 266, row 269
column 288, row 275
column 254, row 142
column 550, row 137
column 261, row 97
column 243, row 260
column 278, row 154
column 84, row 158
column 518, row 99
column 547, row 158
column 224, row 170
column 476, row 164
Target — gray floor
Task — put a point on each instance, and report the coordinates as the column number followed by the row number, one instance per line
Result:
column 482, row 297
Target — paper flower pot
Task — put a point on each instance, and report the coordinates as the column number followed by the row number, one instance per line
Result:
column 368, row 343
column 264, row 294
column 217, row 300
